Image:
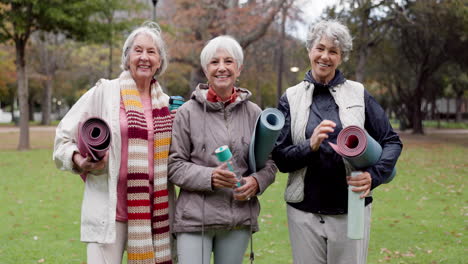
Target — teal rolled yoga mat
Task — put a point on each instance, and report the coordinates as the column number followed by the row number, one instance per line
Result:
column 266, row 132
column 359, row 148
column 355, row 212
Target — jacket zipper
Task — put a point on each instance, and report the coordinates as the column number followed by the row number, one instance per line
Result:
column 230, row 147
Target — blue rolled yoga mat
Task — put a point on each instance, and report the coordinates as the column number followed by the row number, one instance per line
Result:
column 266, row 132
column 361, row 151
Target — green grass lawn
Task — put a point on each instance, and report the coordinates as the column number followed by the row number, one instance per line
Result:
column 420, row 217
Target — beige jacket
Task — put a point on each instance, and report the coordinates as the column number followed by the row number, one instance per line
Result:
column 199, row 128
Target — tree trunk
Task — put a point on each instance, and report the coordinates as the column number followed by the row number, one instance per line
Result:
column 458, row 106
column 447, row 114
column 258, row 93
column 363, row 48
column 279, row 84
column 13, row 102
column 23, row 94
column 47, row 102
column 196, row 76
column 416, row 117
column 111, row 35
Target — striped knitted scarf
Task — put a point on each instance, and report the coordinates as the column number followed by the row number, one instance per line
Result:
column 148, row 221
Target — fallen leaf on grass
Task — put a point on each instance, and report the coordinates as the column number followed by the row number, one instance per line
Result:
column 41, row 260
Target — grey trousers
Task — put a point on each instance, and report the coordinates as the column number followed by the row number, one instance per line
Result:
column 228, row 246
column 98, row 253
column 322, row 239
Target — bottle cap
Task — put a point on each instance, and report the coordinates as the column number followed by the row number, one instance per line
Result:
column 223, row 153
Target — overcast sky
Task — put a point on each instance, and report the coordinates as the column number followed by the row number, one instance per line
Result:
column 312, row 9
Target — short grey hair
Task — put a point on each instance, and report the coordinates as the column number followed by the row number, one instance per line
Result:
column 224, row 42
column 333, row 29
column 153, row 30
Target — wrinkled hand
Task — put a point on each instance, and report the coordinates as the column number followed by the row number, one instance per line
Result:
column 221, row 177
column 86, row 164
column 321, row 133
column 362, row 183
column 247, row 190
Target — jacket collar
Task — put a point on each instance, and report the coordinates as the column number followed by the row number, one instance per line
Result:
column 201, row 92
column 337, row 80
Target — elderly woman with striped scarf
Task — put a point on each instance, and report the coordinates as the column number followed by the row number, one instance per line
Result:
column 126, row 197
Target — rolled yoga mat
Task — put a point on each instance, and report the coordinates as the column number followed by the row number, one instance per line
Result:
column 266, row 132
column 355, row 212
column 361, row 151
column 94, row 138
column 359, row 148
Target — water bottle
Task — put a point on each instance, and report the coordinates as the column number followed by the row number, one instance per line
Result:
column 224, row 154
column 175, row 102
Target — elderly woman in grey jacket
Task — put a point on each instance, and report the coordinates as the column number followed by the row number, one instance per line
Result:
column 212, row 213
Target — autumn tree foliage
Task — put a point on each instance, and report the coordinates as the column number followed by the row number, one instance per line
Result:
column 190, row 24
column 19, row 19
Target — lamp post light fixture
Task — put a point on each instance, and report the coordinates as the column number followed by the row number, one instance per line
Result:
column 294, row 69
column 155, row 2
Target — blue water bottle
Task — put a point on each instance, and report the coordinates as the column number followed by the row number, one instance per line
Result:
column 224, row 154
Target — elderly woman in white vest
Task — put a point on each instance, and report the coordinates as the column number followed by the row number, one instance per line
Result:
column 316, row 110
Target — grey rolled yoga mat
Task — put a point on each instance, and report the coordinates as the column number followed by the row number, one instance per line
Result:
column 266, row 132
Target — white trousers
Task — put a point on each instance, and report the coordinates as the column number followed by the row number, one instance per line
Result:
column 98, row 253
column 322, row 239
column 228, row 246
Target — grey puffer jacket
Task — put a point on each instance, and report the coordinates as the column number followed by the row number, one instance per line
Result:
column 199, row 128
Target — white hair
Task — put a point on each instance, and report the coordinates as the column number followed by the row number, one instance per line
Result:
column 334, row 30
column 153, row 30
column 225, row 42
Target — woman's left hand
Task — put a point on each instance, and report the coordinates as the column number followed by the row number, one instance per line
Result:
column 247, row 190
column 362, row 183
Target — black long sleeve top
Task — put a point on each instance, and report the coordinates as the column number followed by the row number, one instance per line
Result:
column 325, row 183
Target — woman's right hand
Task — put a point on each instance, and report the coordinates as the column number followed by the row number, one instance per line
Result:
column 321, row 133
column 85, row 164
column 223, row 178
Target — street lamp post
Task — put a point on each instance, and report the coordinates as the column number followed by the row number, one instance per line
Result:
column 155, row 2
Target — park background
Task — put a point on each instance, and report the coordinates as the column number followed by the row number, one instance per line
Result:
column 409, row 54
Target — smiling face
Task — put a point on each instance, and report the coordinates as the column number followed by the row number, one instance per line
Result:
column 222, row 71
column 144, row 59
column 324, row 57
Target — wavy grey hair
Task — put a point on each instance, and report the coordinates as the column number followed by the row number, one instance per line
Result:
column 333, row 29
column 153, row 30
column 225, row 42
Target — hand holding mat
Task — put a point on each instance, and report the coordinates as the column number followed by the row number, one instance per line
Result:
column 266, row 132
column 94, row 138
column 359, row 148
